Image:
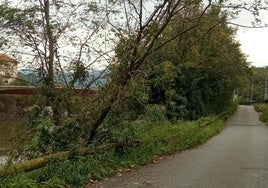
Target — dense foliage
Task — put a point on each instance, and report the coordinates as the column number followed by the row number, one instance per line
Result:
column 156, row 140
column 183, row 67
column 194, row 75
column 263, row 110
column 181, row 63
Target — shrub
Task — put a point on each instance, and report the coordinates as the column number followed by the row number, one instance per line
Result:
column 264, row 117
column 154, row 113
column 261, row 107
column 155, row 140
column 263, row 110
column 20, row 181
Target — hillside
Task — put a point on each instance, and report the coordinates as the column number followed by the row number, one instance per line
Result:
column 95, row 76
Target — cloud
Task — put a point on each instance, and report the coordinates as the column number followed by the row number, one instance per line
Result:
column 254, row 43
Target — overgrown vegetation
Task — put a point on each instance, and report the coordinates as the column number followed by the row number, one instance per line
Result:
column 155, row 140
column 169, row 72
column 182, row 57
column 263, row 110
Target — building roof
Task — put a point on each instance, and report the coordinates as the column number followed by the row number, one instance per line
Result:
column 6, row 58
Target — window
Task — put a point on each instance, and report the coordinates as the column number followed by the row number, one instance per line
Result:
column 7, row 74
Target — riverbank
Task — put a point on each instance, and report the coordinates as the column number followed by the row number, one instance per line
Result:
column 13, row 137
column 155, row 141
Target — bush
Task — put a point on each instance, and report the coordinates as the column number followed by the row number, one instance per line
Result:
column 182, row 135
column 20, row 181
column 155, row 140
column 261, row 107
column 154, row 113
column 229, row 111
column 264, row 117
column 263, row 110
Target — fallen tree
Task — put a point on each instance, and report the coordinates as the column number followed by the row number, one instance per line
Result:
column 34, row 164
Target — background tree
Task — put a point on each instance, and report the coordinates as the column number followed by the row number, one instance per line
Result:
column 57, row 36
column 53, row 30
column 195, row 74
column 255, row 90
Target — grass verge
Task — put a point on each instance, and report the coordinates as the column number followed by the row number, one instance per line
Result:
column 156, row 140
column 263, row 110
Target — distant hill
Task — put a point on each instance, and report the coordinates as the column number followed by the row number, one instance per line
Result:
column 31, row 76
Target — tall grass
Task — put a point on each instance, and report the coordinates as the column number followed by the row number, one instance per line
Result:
column 155, row 140
column 263, row 110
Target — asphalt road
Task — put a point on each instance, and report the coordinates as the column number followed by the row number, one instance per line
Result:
column 236, row 158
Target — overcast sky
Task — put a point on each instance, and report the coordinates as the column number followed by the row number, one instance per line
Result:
column 254, row 42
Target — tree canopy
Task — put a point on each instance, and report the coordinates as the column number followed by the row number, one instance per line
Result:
column 179, row 55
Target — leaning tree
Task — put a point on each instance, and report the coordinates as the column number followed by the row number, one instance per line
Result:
column 76, row 36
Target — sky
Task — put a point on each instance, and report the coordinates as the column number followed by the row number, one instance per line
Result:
column 254, row 44
column 254, row 41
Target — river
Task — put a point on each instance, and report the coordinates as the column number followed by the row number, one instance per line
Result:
column 12, row 137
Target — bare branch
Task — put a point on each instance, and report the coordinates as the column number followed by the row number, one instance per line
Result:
column 127, row 18
column 247, row 26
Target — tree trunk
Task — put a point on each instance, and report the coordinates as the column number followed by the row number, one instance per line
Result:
column 43, row 161
column 51, row 42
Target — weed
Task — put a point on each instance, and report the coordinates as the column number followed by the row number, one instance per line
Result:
column 263, row 110
column 157, row 139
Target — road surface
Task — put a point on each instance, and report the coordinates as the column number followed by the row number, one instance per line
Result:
column 236, row 158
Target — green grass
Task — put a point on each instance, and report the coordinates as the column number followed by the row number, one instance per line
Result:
column 261, row 107
column 156, row 140
column 263, row 110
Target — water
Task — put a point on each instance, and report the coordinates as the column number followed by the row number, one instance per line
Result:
column 7, row 131
column 12, row 137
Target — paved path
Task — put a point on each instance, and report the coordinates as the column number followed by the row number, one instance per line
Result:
column 236, row 158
